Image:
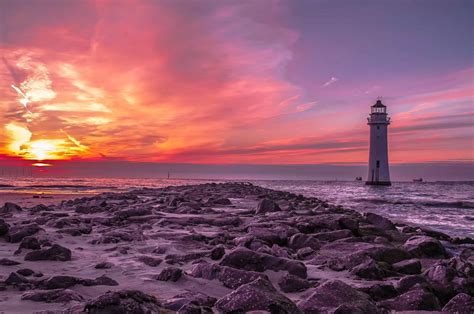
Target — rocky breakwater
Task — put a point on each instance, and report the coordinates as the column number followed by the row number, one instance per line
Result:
column 225, row 248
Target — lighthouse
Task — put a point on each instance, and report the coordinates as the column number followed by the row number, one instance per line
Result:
column 378, row 122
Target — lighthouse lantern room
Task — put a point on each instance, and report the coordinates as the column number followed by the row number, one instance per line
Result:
column 378, row 122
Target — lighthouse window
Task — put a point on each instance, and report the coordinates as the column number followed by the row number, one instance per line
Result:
column 378, row 164
column 378, row 127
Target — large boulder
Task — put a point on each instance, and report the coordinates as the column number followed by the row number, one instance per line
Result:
column 380, row 222
column 266, row 205
column 54, row 253
column 409, row 267
column 461, row 303
column 170, row 274
column 9, row 208
column 18, row 232
column 423, row 246
column 259, row 295
column 291, row 283
column 249, row 260
column 124, row 302
column 230, row 277
column 330, row 236
column 332, row 294
column 417, row 299
column 368, row 270
column 301, row 240
column 3, row 227
column 30, row 243
column 52, row 296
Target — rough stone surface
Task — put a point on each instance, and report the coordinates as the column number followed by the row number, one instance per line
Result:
column 54, row 253
column 259, row 295
column 123, row 302
column 52, row 296
column 423, row 246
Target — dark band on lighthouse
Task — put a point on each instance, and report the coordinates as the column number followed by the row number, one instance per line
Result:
column 378, row 121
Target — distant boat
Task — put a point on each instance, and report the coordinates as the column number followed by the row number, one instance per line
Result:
column 358, row 178
column 418, row 180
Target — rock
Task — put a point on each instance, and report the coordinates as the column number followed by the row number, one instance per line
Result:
column 409, row 267
column 368, row 270
column 266, row 205
column 333, row 235
column 301, row 240
column 30, row 243
column 416, row 299
column 290, row 283
column 150, row 261
column 331, row 294
column 60, row 282
column 3, row 227
column 408, row 282
column 25, row 272
column 380, row 291
column 217, row 253
column 230, row 277
column 259, row 295
column 461, row 303
column 10, row 208
column 423, row 246
column 196, row 302
column 388, row 254
column 380, row 222
column 18, row 232
column 222, row 201
column 124, row 302
column 132, row 212
column 249, row 260
column 8, row 262
column 40, row 208
column 54, row 253
column 99, row 281
column 104, row 265
column 191, row 308
column 52, row 296
column 15, row 279
column 76, row 231
column 349, row 223
column 170, row 274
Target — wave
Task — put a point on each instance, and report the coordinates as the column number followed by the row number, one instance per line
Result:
column 68, row 186
column 430, row 203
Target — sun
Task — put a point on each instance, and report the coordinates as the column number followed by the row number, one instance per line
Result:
column 42, row 149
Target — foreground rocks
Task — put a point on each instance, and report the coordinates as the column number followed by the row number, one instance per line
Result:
column 225, row 248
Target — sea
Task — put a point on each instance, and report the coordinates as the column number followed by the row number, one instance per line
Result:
column 443, row 206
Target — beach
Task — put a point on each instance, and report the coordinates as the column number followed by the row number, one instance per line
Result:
column 222, row 247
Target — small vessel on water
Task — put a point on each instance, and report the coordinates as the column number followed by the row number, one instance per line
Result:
column 418, row 180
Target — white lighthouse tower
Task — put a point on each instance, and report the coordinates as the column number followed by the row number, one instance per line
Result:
column 378, row 155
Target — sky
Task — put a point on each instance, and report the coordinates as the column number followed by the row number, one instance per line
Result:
column 93, row 84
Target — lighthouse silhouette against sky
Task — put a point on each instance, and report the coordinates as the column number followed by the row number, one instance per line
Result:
column 378, row 122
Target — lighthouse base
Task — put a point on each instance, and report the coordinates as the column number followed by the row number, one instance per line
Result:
column 384, row 183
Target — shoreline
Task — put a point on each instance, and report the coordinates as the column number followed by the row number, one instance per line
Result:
column 227, row 241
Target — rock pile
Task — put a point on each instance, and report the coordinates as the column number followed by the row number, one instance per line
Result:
column 226, row 248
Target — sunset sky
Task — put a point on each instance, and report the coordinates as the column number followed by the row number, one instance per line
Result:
column 234, row 82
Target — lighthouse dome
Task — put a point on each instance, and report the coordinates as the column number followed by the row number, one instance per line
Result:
column 379, row 104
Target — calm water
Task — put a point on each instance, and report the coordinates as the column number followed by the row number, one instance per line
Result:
column 447, row 207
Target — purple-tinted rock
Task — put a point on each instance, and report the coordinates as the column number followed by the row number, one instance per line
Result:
column 301, row 240
column 8, row 262
column 104, row 265
column 332, row 294
column 30, row 243
column 259, row 295
column 18, row 232
column 250, row 260
column 54, row 253
column 3, row 227
column 15, row 279
column 461, row 303
column 266, row 206
column 170, row 274
column 10, row 208
column 218, row 252
column 333, row 235
column 368, row 270
column 52, row 296
column 150, row 260
column 230, row 277
column 25, row 272
column 423, row 246
column 380, row 222
column 409, row 267
column 290, row 283
column 124, row 302
column 416, row 299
